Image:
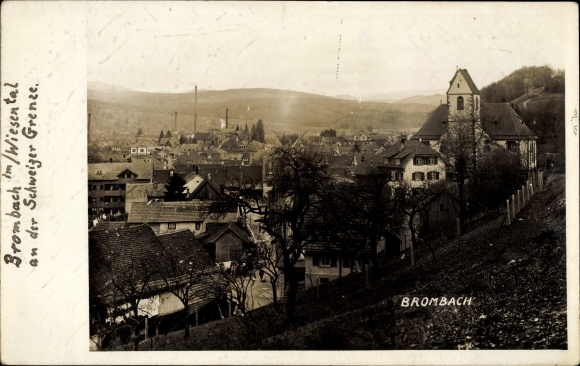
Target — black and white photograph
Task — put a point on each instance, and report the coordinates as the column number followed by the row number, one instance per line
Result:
column 323, row 182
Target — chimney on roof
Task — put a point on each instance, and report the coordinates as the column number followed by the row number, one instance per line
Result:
column 195, row 112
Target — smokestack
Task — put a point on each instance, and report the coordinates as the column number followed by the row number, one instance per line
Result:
column 195, row 112
column 89, row 126
column 226, row 118
column 175, row 123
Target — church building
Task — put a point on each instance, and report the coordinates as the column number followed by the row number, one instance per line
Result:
column 492, row 124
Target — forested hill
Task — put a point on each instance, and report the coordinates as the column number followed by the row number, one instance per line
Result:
column 523, row 81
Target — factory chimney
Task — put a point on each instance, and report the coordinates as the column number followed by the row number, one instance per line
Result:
column 226, row 118
column 175, row 123
column 195, row 112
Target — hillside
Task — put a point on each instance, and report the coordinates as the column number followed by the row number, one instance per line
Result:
column 434, row 99
column 515, row 276
column 282, row 111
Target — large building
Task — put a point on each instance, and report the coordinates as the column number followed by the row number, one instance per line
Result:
column 107, row 183
column 501, row 125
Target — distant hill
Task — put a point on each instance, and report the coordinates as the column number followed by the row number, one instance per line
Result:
column 113, row 108
column 434, row 99
column 399, row 95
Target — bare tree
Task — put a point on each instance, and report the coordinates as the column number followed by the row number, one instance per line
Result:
column 416, row 202
column 186, row 270
column 298, row 178
column 462, row 147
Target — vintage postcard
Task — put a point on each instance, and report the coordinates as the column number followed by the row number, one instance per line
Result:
column 286, row 183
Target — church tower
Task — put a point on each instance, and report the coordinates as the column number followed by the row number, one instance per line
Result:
column 463, row 97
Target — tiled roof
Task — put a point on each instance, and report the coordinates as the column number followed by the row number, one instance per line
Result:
column 501, row 122
column 434, row 127
column 110, row 171
column 231, row 175
column 184, row 211
column 183, row 245
column 467, row 78
column 124, row 257
column 120, row 257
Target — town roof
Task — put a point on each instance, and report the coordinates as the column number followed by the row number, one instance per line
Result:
column 151, row 189
column 118, row 256
column 111, row 171
column 501, row 122
column 182, row 211
column 467, row 78
column 230, row 226
column 435, row 126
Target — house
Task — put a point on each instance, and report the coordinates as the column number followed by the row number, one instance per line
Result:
column 226, row 242
column 325, row 262
column 107, row 185
column 207, row 190
column 134, row 265
column 143, row 192
column 361, row 138
column 165, row 217
column 501, row 125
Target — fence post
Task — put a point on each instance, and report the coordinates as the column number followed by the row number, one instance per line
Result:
column 518, row 205
column 531, row 189
column 366, row 275
column 523, row 196
column 508, row 211
column 513, row 207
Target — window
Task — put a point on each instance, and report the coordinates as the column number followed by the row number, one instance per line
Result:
column 324, row 262
column 399, row 176
column 432, row 160
column 397, row 161
column 418, row 160
column 323, row 280
column 512, row 145
column 476, row 103
column 433, row 176
column 171, row 225
column 459, row 103
column 197, row 225
column 418, row 176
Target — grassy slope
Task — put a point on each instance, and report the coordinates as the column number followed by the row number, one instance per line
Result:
column 515, row 275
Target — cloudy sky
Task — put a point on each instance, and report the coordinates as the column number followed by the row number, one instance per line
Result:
column 323, row 47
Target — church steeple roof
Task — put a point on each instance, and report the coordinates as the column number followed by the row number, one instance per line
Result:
column 463, row 73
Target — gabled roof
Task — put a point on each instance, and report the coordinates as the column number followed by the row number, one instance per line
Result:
column 434, row 127
column 230, row 226
column 156, row 212
column 111, row 171
column 501, row 122
column 468, row 80
column 151, row 189
column 206, row 184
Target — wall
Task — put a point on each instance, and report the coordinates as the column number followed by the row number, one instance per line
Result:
column 411, row 168
column 314, row 272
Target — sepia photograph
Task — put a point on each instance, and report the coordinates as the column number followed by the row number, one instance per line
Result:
column 286, row 176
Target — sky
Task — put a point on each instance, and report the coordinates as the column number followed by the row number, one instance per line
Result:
column 317, row 47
